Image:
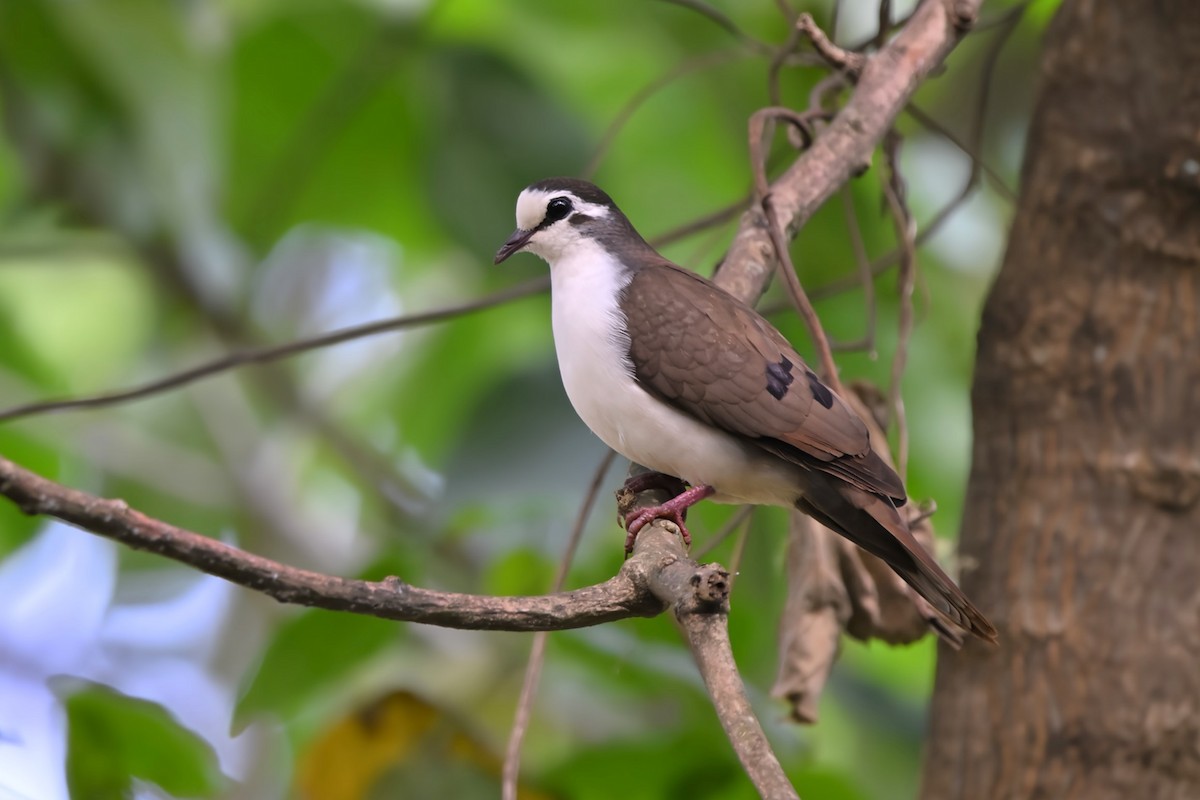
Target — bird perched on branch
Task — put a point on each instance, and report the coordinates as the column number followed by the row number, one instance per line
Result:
column 678, row 375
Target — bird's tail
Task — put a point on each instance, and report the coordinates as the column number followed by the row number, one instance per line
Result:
column 875, row 525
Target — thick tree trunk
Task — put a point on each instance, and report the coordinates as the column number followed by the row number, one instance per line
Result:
column 1082, row 534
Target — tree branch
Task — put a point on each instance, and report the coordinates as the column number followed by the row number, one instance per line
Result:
column 269, row 353
column 704, row 618
column 658, row 575
column 700, row 597
column 628, row 594
column 888, row 80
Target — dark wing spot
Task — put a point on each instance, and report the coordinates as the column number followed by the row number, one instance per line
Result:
column 820, row 391
column 779, row 378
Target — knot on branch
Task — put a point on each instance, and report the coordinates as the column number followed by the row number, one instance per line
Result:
column 965, row 14
column 711, row 584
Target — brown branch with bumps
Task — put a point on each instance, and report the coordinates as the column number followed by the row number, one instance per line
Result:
column 657, row 576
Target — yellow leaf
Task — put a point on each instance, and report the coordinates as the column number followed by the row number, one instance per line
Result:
column 403, row 744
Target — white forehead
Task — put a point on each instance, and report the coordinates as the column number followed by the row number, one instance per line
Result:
column 531, row 206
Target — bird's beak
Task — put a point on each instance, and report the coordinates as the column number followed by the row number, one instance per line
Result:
column 515, row 242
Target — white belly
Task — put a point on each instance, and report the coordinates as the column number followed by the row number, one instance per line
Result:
column 593, row 360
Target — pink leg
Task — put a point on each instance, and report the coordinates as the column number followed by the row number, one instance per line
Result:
column 645, row 481
column 674, row 510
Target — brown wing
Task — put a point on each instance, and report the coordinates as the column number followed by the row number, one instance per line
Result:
column 708, row 354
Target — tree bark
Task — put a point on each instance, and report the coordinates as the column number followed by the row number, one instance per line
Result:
column 1081, row 538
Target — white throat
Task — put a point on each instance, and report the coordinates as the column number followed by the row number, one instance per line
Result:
column 590, row 336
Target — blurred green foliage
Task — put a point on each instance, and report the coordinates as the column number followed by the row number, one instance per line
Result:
column 115, row 740
column 182, row 179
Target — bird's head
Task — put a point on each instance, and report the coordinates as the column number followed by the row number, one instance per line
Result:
column 556, row 215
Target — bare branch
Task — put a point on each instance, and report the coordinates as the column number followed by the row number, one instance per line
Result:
column 627, row 594
column 263, row 355
column 658, row 575
column 863, row 261
column 844, row 148
column 700, row 596
column 711, row 220
column 725, row 23
column 998, row 183
column 645, row 93
column 842, row 60
column 703, row 617
column 885, row 22
column 758, row 131
column 739, row 521
column 972, row 148
column 906, row 234
column 777, row 63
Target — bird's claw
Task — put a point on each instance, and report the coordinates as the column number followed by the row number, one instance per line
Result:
column 640, row 518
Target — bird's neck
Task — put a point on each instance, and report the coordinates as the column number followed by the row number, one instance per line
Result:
column 585, row 291
column 587, row 270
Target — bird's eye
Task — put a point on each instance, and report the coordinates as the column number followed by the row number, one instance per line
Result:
column 557, row 208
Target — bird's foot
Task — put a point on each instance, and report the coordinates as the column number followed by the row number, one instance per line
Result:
column 674, row 510
column 645, row 481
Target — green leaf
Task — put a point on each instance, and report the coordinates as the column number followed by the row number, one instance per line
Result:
column 688, row 765
column 64, row 342
column 309, row 653
column 113, row 738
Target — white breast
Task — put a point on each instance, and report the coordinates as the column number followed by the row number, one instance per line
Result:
column 593, row 359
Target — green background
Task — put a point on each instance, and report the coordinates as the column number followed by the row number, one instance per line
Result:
column 179, row 180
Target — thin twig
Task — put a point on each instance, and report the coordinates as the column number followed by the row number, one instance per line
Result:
column 796, row 291
column 725, row 23
column 711, row 220
column 998, row 183
column 818, row 95
column 786, row 10
column 644, row 94
column 742, row 515
column 739, row 550
column 846, row 61
column 844, row 147
column 972, row 148
column 263, row 355
column 893, row 189
column 775, row 69
column 885, row 23
column 783, row 260
column 866, row 279
column 537, row 652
